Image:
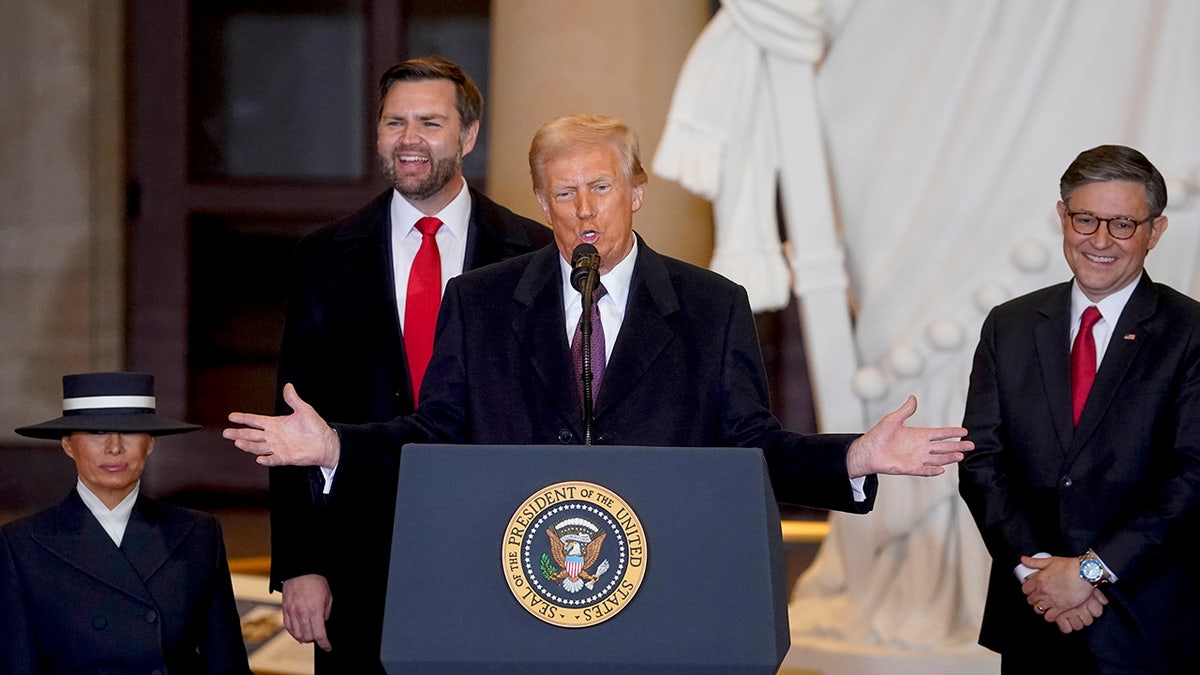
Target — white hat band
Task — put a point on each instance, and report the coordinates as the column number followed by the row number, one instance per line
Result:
column 99, row 402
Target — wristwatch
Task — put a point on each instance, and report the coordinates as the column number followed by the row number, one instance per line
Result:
column 1091, row 569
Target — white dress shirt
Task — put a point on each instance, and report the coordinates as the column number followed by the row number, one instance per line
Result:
column 612, row 305
column 1110, row 312
column 406, row 240
column 112, row 520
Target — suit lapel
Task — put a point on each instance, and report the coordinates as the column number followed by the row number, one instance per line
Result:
column 78, row 540
column 488, row 239
column 364, row 256
column 539, row 325
column 150, row 538
column 645, row 332
column 1054, row 359
column 1135, row 320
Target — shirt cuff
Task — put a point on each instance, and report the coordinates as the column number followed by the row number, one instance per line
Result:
column 856, row 488
column 327, row 474
column 1023, row 572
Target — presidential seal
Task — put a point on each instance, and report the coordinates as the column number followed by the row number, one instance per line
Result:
column 574, row 554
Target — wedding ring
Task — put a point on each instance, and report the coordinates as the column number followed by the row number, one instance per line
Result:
column 1039, row 609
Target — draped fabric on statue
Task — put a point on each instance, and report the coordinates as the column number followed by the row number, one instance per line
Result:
column 943, row 128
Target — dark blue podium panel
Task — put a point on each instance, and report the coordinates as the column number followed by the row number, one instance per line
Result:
column 713, row 597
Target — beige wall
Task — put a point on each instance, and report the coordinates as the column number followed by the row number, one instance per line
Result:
column 618, row 57
column 61, row 297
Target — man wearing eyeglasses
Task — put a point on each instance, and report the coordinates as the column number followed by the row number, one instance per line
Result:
column 1084, row 406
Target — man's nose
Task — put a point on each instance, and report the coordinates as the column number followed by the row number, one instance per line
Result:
column 584, row 208
column 409, row 135
column 1102, row 238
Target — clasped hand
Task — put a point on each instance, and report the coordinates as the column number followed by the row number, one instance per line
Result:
column 1060, row 595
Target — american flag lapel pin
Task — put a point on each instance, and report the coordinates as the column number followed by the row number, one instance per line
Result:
column 1130, row 336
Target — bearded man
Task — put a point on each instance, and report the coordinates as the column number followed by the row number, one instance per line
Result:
column 359, row 331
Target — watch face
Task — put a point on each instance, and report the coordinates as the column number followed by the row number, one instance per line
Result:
column 1091, row 571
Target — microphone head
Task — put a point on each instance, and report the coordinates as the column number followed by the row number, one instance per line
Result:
column 585, row 261
column 582, row 251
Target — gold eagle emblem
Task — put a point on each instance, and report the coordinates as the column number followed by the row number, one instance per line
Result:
column 575, row 545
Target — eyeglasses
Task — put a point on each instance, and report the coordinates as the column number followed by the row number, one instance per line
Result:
column 1121, row 227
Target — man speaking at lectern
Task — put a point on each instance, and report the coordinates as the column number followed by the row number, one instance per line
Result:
column 679, row 365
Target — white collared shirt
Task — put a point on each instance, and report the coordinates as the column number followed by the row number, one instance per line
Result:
column 112, row 520
column 612, row 305
column 1110, row 312
column 406, row 240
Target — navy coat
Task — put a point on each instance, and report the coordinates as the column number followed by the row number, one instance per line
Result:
column 686, row 370
column 71, row 601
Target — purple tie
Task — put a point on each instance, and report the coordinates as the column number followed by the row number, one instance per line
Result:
column 597, row 346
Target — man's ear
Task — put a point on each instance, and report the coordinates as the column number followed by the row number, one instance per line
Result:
column 469, row 136
column 639, row 193
column 1157, row 227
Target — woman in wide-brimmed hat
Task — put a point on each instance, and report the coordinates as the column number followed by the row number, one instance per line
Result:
column 110, row 580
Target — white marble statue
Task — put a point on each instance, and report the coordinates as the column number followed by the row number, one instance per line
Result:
column 918, row 147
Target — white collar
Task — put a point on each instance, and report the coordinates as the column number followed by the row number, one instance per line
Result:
column 454, row 215
column 112, row 520
column 1110, row 306
column 616, row 282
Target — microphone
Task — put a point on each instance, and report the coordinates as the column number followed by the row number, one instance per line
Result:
column 585, row 277
column 585, row 264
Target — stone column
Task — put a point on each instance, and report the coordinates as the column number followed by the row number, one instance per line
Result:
column 619, row 57
column 62, row 191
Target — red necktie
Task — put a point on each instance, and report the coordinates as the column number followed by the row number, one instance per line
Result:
column 596, row 347
column 1083, row 362
column 423, row 297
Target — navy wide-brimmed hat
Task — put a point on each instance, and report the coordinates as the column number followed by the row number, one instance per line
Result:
column 115, row 402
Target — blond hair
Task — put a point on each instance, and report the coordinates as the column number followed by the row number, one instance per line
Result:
column 572, row 132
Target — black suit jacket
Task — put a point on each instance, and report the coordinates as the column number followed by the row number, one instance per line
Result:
column 1125, row 482
column 343, row 350
column 71, row 601
column 686, row 370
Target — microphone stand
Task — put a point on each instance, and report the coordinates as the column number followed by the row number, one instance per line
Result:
column 585, row 334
